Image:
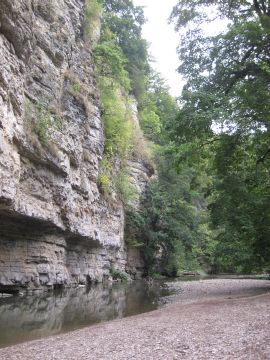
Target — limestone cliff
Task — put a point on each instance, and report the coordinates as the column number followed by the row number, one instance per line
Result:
column 56, row 228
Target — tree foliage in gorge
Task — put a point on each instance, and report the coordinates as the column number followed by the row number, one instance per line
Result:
column 175, row 231
column 114, row 85
column 225, row 115
column 157, row 108
column 125, row 21
column 172, row 224
column 209, row 206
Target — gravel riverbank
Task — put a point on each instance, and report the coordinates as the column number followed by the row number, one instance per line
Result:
column 210, row 319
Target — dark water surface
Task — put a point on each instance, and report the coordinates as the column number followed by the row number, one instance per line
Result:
column 36, row 316
column 28, row 317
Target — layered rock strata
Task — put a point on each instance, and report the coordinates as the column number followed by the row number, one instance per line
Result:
column 56, row 228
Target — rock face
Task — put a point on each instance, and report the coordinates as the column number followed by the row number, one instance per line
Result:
column 56, row 228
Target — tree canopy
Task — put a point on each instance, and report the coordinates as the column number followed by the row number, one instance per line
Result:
column 225, row 114
column 125, row 21
column 209, row 206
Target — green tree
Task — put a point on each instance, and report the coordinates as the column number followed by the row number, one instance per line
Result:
column 157, row 109
column 172, row 224
column 125, row 21
column 225, row 109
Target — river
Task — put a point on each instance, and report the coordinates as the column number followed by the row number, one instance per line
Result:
column 28, row 317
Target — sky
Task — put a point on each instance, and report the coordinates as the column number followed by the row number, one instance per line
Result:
column 163, row 40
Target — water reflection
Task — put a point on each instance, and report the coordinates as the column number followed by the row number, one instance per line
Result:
column 31, row 317
column 36, row 316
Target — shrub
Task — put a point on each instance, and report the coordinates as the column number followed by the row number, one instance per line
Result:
column 114, row 85
column 118, row 129
column 141, row 148
column 134, row 223
column 45, row 118
column 93, row 10
column 110, row 60
column 150, row 123
column 76, row 85
column 123, row 188
column 103, row 182
column 118, row 274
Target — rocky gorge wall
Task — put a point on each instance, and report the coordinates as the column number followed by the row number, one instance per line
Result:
column 56, row 227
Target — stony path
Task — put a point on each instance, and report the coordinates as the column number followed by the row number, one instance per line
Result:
column 213, row 327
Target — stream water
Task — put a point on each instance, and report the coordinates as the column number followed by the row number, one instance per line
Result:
column 36, row 316
column 29, row 317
